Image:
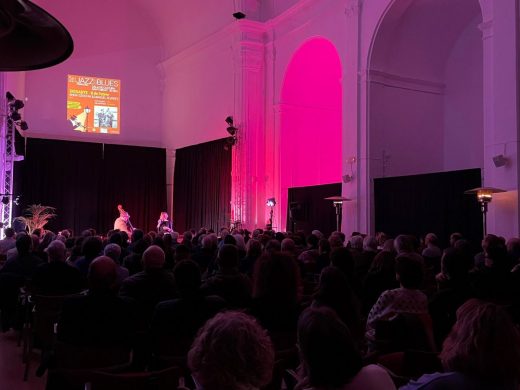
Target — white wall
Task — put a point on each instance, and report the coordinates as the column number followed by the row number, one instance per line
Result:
column 463, row 103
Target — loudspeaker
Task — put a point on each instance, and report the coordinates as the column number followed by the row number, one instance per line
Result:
column 347, row 178
column 499, row 160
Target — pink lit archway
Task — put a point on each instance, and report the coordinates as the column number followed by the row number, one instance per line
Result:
column 310, row 118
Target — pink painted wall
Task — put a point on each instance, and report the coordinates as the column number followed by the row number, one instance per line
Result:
column 109, row 43
column 463, row 102
column 311, row 103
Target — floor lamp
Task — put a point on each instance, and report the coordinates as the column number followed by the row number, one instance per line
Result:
column 337, row 202
column 484, row 197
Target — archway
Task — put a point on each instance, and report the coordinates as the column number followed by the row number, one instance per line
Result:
column 310, row 118
column 425, row 95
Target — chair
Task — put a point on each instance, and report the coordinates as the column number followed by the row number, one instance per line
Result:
column 73, row 365
column 39, row 327
column 167, row 379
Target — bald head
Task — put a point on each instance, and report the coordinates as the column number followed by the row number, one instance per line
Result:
column 102, row 274
column 56, row 251
column 153, row 258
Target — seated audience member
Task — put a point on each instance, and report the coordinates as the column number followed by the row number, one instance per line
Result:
column 481, row 352
column 231, row 351
column 341, row 258
column 150, row 286
column 405, row 245
column 91, row 248
column 254, row 250
column 228, row 283
column 323, row 259
column 330, row 358
column 39, row 250
column 241, row 245
column 25, row 263
column 335, row 242
column 493, row 280
column 8, row 242
column 406, row 299
column 206, row 255
column 432, row 249
column 363, row 261
column 114, row 252
column 381, row 276
column 454, row 237
column 57, row 277
column 176, row 322
column 133, row 262
column 453, row 292
column 513, row 251
column 272, row 246
column 335, row 293
column 275, row 301
column 100, row 318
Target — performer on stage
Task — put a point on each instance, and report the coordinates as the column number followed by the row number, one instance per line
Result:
column 163, row 224
column 123, row 222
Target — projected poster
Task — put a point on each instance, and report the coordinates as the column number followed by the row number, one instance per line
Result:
column 93, row 104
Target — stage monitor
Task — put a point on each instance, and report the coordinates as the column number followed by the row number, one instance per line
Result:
column 93, row 104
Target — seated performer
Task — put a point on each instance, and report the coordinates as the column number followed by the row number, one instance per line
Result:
column 123, row 222
column 163, row 224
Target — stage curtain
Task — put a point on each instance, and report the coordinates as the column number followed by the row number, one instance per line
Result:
column 311, row 210
column 86, row 182
column 202, row 186
column 434, row 202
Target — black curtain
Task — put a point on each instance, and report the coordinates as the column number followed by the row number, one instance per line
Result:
column 86, row 182
column 310, row 210
column 202, row 186
column 433, row 202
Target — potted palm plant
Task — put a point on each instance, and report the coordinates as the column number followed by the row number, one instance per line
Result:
column 36, row 216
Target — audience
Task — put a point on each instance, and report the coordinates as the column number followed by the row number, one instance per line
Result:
column 481, row 352
column 8, row 242
column 24, row 263
column 231, row 351
column 330, row 358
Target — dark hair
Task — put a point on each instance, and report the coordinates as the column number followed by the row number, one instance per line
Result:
column 254, row 248
column 228, row 256
column 483, row 343
column 276, row 277
column 231, row 351
column 410, row 271
column 9, row 232
column 187, row 277
column 328, row 352
column 342, row 259
column 456, row 263
column 92, row 247
column 23, row 243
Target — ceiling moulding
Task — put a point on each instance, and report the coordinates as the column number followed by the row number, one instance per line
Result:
column 306, row 11
column 249, row 31
column 413, row 84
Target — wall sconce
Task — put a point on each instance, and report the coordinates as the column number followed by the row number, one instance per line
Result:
column 484, row 197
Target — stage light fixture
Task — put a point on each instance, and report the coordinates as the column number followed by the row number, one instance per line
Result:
column 232, row 130
column 239, row 15
column 23, row 125
column 17, row 104
column 16, row 200
column 271, row 202
column 9, row 96
column 229, row 120
column 15, row 116
column 5, row 199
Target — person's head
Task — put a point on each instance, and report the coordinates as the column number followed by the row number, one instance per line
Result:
column 187, row 277
column 356, row 243
column 272, row 246
column 102, row 274
column 483, row 344
column 153, row 258
column 163, row 216
column 454, row 237
column 317, row 233
column 312, row 241
column 56, row 251
column 116, row 238
column 227, row 257
column 23, row 243
column 455, row 263
column 276, row 276
column 329, row 355
column 431, row 239
column 254, row 248
column 92, row 247
column 113, row 251
column 404, row 243
column 288, row 245
column 409, row 271
column 324, row 246
column 210, row 241
column 9, row 232
column 342, row 259
column 231, row 351
column 495, row 252
column 389, row 246
column 370, row 244
column 182, row 252
column 137, row 234
column 335, row 242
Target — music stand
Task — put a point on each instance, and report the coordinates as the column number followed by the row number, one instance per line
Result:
column 337, row 202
